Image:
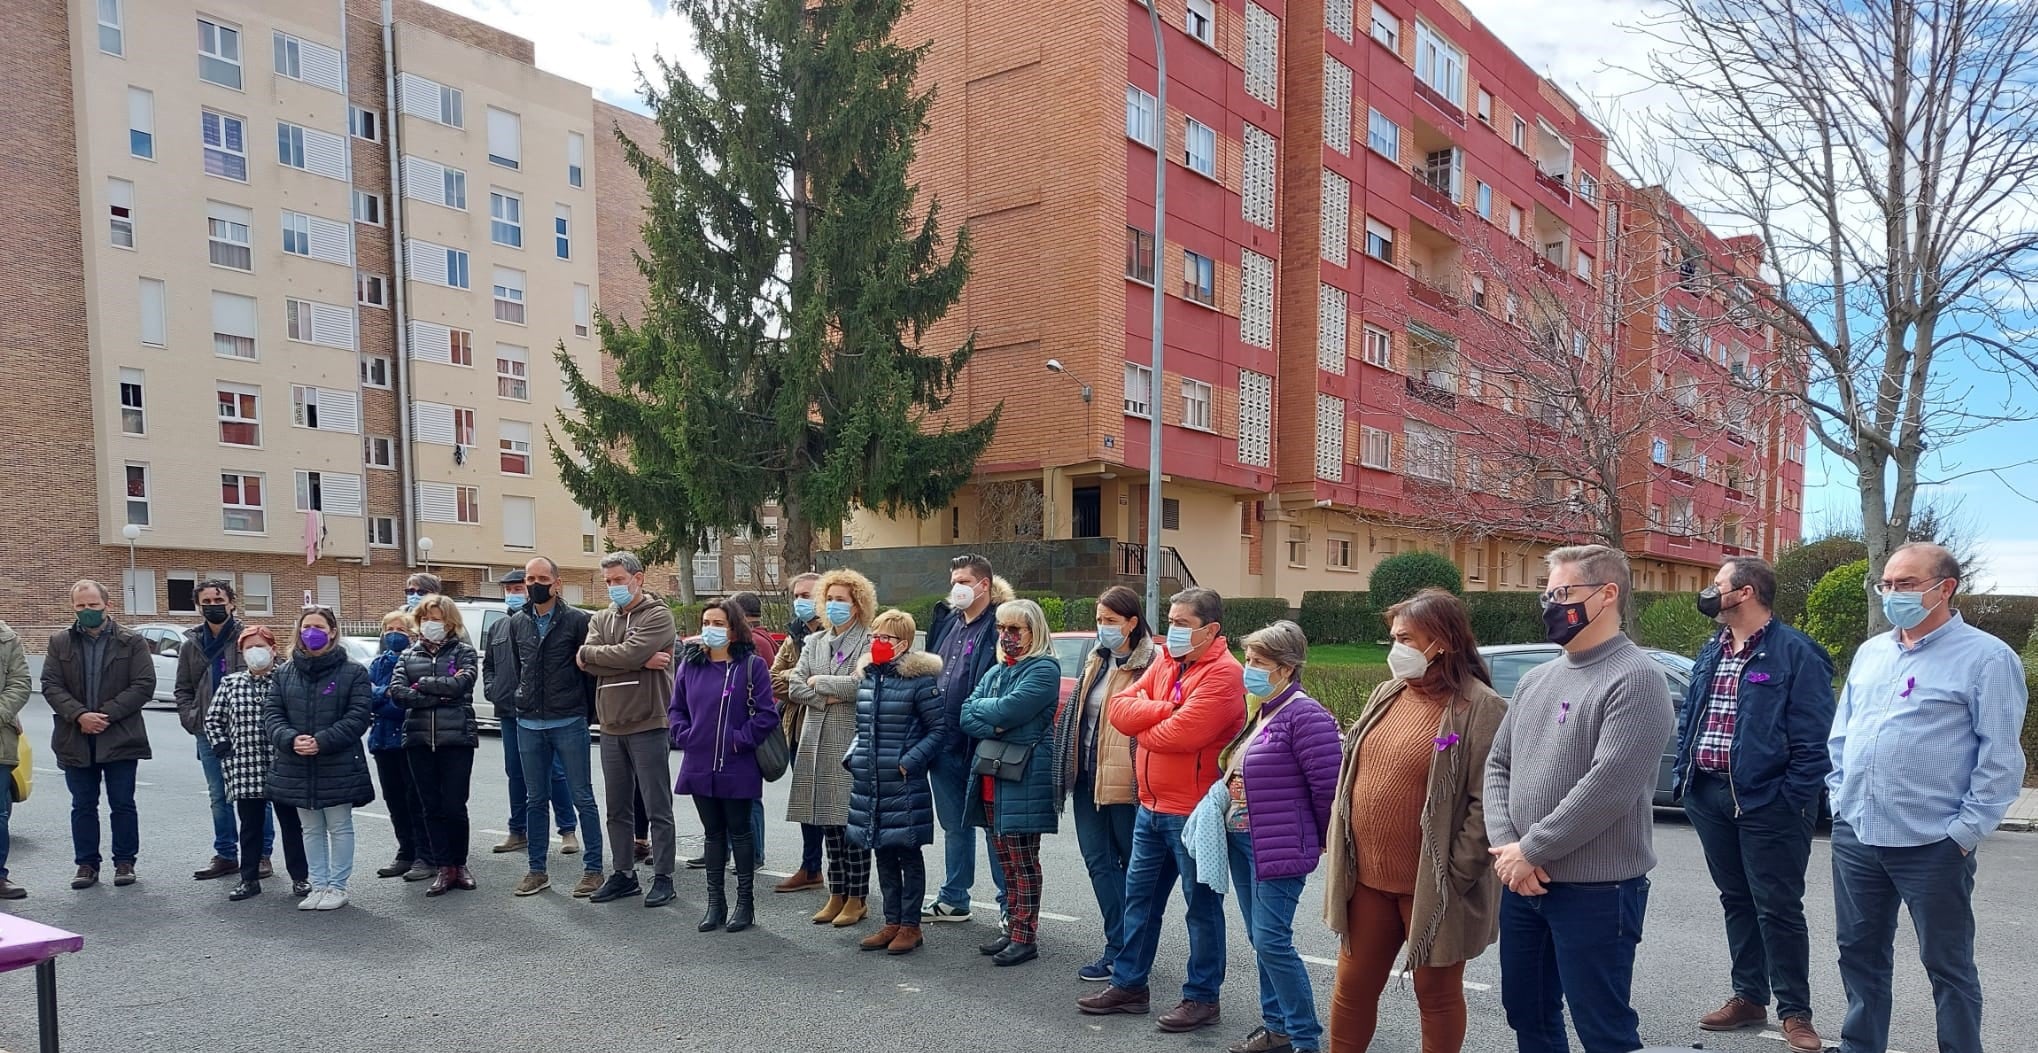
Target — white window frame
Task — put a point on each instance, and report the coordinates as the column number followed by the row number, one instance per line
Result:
column 1195, row 266
column 143, row 502
column 583, row 311
column 1431, row 456
column 505, row 130
column 1376, row 448
column 509, row 299
column 1377, row 345
column 240, row 410
column 367, row 207
column 135, row 381
column 576, row 160
column 1520, row 134
column 1482, row 106
column 228, row 236
column 1334, row 546
column 1482, row 198
column 225, row 38
column 1383, row 136
column 141, row 111
column 1386, row 29
column 1445, row 62
column 1199, row 20
column 112, row 39
column 1142, row 117
column 1196, row 399
column 371, row 290
column 364, row 124
column 376, row 371
column 229, row 159
column 378, row 446
column 296, row 230
column 510, row 447
column 258, row 511
column 151, row 305
column 382, row 532
column 513, row 373
column 120, row 213
column 252, row 338
column 258, row 594
column 467, row 505
column 1139, row 379
column 1199, row 147
column 505, row 217
column 1379, row 235
column 562, row 232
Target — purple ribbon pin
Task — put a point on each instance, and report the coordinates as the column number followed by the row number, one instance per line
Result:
column 329, row 687
column 1758, row 678
column 1563, row 712
column 1910, row 685
column 1446, row 741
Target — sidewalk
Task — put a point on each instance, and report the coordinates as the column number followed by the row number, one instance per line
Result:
column 2023, row 816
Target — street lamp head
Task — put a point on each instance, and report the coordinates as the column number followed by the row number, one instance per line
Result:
column 424, row 544
column 1054, row 366
column 131, row 532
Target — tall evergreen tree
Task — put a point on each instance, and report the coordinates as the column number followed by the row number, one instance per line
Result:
column 781, row 355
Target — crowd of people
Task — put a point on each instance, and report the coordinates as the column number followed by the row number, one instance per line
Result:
column 1446, row 819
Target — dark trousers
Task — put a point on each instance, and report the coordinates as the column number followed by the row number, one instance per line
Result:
column 811, row 839
column 250, row 811
column 1572, row 946
column 1935, row 883
column 1105, row 834
column 902, row 874
column 127, row 833
column 1758, row 863
column 406, row 810
column 730, row 837
column 443, row 776
column 641, row 825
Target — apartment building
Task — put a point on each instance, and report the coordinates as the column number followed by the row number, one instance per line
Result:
column 1367, row 203
column 291, row 310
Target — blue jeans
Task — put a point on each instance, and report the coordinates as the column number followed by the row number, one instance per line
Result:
column 1936, row 884
column 1758, row 863
column 1574, row 945
column 513, row 765
column 1105, row 834
column 811, row 840
column 329, row 845
column 563, row 751
column 951, row 780
column 226, row 827
column 1158, row 858
column 1287, row 999
column 84, row 785
column 757, row 828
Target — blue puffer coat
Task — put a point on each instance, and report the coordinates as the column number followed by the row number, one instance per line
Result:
column 900, row 723
column 386, row 734
column 1016, row 703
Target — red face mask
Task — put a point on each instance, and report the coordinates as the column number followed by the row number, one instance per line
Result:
column 882, row 651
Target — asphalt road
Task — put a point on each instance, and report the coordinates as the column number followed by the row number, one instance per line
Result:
column 170, row 966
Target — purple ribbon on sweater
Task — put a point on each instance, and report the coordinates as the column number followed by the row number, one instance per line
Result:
column 1446, row 741
column 1758, row 678
column 1910, row 685
column 1563, row 713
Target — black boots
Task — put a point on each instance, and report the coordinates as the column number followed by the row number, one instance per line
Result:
column 746, row 881
column 718, row 915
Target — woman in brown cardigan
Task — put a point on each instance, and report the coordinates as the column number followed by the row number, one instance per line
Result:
column 1407, row 846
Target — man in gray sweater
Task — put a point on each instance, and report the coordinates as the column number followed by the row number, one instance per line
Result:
column 1568, row 785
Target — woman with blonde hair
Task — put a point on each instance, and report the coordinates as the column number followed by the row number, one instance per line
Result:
column 434, row 683
column 392, row 765
column 900, row 724
column 1407, row 851
column 823, row 685
column 1010, row 716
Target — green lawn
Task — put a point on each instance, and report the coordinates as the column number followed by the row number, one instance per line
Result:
column 1347, row 654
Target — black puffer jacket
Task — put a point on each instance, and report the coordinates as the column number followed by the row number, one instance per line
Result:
column 327, row 697
column 436, row 686
column 550, row 685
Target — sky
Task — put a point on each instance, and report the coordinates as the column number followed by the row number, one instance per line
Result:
column 1585, row 46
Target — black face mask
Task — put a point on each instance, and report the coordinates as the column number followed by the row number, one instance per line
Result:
column 1709, row 602
column 540, row 593
column 215, row 613
column 1562, row 622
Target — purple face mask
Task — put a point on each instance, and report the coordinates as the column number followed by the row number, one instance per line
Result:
column 315, row 638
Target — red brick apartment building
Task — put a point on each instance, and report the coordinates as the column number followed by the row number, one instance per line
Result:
column 1365, row 202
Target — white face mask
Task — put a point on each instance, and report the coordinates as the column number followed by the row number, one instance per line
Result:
column 1406, row 662
column 259, row 658
column 961, row 596
column 433, row 631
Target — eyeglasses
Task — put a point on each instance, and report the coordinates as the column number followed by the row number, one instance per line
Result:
column 1884, row 588
column 887, row 638
column 1562, row 593
column 1011, row 630
column 416, row 592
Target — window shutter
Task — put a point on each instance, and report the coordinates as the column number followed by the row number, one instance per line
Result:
column 438, row 503
column 332, row 326
column 431, row 342
column 341, row 494
column 331, row 242
column 424, row 180
column 318, row 64
column 433, row 423
column 339, row 410
column 427, row 262
column 519, row 522
column 418, row 96
column 325, row 154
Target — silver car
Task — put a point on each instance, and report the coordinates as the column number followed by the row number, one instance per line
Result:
column 1509, row 662
column 477, row 618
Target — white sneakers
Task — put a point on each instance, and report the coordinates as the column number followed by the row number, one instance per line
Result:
column 324, row 899
column 312, row 899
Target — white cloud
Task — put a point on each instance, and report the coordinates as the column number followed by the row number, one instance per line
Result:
column 2008, row 566
column 600, row 43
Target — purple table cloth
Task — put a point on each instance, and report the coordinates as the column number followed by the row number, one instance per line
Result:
column 24, row 943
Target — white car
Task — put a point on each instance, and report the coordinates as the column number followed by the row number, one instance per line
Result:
column 164, row 640
column 477, row 617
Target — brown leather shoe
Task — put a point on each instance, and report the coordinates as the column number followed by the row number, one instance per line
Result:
column 87, row 877
column 1262, row 1041
column 219, row 867
column 1737, row 1014
column 907, row 940
column 880, row 939
column 642, row 848
column 463, row 879
column 10, row 890
column 512, row 843
column 1798, row 1033
column 799, row 881
column 124, row 875
column 443, row 881
column 266, row 870
column 589, row 882
column 1114, row 999
column 1190, row 1016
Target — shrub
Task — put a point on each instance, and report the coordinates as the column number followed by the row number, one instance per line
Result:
column 1798, row 570
column 1249, row 614
column 1505, row 617
column 1674, row 625
column 2030, row 711
column 922, row 610
column 1343, row 689
column 2007, row 618
column 1836, row 612
column 1340, row 617
column 1399, row 577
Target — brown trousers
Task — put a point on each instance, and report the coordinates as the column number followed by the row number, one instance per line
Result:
column 1376, row 928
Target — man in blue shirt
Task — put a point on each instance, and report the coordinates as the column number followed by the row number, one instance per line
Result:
column 1926, row 760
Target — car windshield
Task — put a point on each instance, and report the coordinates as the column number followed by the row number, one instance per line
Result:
column 1510, row 666
column 1072, row 652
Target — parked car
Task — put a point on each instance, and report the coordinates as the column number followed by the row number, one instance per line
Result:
column 1070, row 649
column 1510, row 661
column 477, row 617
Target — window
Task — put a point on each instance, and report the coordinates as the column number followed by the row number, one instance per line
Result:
column 1142, row 117
column 378, row 451
column 308, row 61
column 1335, row 225
column 1262, row 54
column 515, row 443
column 120, row 213
column 1513, row 308
column 1138, row 255
column 459, row 347
column 562, row 232
column 138, row 495
column 367, row 208
column 1379, row 240
column 1439, row 64
column 430, row 100
column 1520, row 135
column 1483, row 105
column 463, row 427
column 1255, row 418
column 590, row 534
column 1516, row 222
column 1298, row 546
column 1200, row 151
column 150, row 299
column 1378, row 346
column 109, row 28
column 467, row 504
column 509, row 296
column 1659, row 451
column 381, row 531
column 226, row 145
column 505, row 138
column 520, row 522
column 1386, row 29
column 1333, row 308
column 1479, row 291
column 1330, row 438
column 258, row 592
column 325, row 409
column 1338, row 553
column 1256, row 299
column 1665, row 318
column 296, row 234
column 219, row 54
column 226, row 232
column 1337, row 105
column 576, row 149
column 1382, row 135
column 1138, row 387
column 375, row 371
column 1376, row 448
column 233, row 326
column 1584, row 266
column 310, row 497
column 1430, row 451
column 454, row 192
column 1484, row 196
column 457, row 274
column 1195, row 404
column 505, row 219
column 1256, row 203
column 240, row 503
column 363, row 123
column 141, row 123
column 583, row 310
column 512, row 380
column 371, row 290
column 133, row 419
column 240, row 415
column 310, row 150
column 1199, row 22
column 1199, row 279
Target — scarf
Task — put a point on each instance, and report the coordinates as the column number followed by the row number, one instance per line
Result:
column 215, row 645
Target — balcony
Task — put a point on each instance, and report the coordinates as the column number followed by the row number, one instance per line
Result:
column 1429, row 295
column 1548, row 266
column 1442, row 105
column 1434, row 394
column 1434, row 196
column 1554, row 184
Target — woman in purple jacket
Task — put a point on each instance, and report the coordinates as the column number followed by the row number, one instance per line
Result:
column 721, row 709
column 1282, row 774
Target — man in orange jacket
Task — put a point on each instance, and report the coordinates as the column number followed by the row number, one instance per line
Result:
column 1180, row 714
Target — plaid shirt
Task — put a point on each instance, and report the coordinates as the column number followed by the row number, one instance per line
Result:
column 1716, row 739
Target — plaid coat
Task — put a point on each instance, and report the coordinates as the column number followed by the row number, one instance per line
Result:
column 233, row 723
column 821, row 785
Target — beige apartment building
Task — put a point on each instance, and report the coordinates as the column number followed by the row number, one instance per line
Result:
column 290, row 305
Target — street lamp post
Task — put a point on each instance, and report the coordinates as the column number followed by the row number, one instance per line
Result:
column 1160, row 255
column 425, row 552
column 132, row 533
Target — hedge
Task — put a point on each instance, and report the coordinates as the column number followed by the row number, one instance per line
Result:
column 1399, row 577
column 2030, row 711
column 2010, row 619
column 1340, row 617
column 1249, row 614
column 1674, row 625
column 1343, row 689
column 1798, row 570
column 1836, row 613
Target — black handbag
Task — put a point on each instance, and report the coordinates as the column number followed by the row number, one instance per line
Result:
column 1003, row 760
column 774, row 754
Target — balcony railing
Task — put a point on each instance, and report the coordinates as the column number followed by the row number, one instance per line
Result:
column 1424, row 293
column 1549, row 266
column 1436, row 98
column 1132, row 563
column 1554, row 184
column 1735, row 493
column 1440, row 397
column 1432, row 195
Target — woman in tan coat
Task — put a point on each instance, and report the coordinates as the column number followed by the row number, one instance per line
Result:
column 824, row 685
column 1407, row 844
